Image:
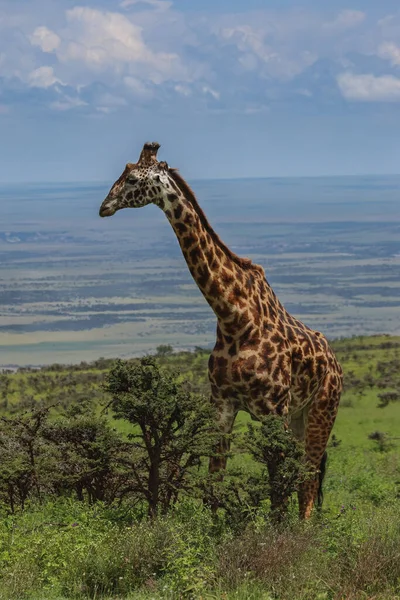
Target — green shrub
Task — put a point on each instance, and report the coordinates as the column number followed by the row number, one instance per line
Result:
column 92, row 458
column 173, row 430
column 279, row 468
column 276, row 448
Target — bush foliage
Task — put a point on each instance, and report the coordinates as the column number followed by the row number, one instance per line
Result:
column 79, row 454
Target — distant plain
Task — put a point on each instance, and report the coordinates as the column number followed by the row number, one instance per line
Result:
column 75, row 287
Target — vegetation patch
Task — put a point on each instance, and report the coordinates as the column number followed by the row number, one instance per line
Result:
column 103, row 477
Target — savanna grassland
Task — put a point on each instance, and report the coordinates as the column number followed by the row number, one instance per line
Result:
column 75, row 523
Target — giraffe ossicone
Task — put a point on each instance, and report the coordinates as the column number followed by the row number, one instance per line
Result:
column 264, row 359
column 149, row 153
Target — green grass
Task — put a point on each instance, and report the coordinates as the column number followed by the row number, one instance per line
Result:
column 68, row 550
column 354, row 423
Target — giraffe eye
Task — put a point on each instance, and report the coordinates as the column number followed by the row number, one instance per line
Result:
column 132, row 180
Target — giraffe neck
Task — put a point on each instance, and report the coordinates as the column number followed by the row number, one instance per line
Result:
column 231, row 285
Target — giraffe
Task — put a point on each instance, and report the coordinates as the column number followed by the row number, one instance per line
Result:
column 264, row 359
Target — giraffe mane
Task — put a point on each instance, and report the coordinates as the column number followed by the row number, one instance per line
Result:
column 245, row 263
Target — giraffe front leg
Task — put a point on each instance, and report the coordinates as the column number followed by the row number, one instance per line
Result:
column 226, row 417
column 275, row 403
column 321, row 417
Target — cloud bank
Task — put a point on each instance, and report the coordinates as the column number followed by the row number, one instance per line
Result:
column 106, row 56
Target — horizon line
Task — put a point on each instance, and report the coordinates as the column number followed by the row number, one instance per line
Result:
column 252, row 177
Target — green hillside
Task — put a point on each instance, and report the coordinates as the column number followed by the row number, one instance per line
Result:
column 371, row 366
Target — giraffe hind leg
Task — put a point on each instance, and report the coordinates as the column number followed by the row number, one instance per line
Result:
column 321, row 475
column 298, row 425
column 321, row 417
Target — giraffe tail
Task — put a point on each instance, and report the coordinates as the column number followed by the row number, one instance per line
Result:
column 321, row 475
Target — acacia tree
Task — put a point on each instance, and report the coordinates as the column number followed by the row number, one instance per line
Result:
column 92, row 457
column 76, row 452
column 24, row 457
column 172, row 430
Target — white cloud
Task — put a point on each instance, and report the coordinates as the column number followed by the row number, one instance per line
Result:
column 391, row 52
column 277, row 56
column 248, row 38
column 108, row 103
column 390, row 26
column 304, row 92
column 102, row 38
column 140, row 50
column 157, row 4
column 43, row 77
column 67, row 103
column 208, row 90
column 101, row 41
column 281, row 44
column 184, row 90
column 46, row 39
column 346, row 19
column 369, row 88
column 388, row 20
column 137, row 87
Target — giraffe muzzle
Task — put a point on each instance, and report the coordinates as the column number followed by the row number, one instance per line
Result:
column 107, row 209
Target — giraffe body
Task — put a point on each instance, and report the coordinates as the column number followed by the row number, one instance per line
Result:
column 264, row 360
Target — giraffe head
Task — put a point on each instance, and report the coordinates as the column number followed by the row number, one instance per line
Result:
column 140, row 183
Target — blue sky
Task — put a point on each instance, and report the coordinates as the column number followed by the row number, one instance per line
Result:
column 236, row 88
